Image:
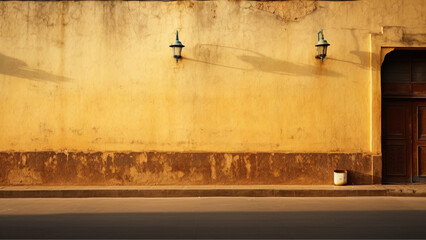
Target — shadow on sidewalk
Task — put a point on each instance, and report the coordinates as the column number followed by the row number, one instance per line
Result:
column 312, row 224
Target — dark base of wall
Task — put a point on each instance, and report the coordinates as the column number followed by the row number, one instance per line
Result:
column 158, row 168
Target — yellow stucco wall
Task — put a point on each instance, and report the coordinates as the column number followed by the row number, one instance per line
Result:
column 99, row 75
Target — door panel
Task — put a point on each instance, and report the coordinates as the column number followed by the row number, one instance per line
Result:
column 397, row 135
column 421, row 121
column 419, row 143
column 396, row 160
column 422, row 161
column 395, row 120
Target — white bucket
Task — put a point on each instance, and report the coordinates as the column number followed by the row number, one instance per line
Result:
column 340, row 177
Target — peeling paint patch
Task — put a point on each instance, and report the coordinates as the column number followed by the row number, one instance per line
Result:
column 24, row 159
column 227, row 164
column 24, row 176
column 142, row 158
column 248, row 166
column 287, row 11
column 212, row 162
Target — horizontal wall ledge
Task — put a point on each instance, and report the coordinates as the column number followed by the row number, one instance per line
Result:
column 176, row 168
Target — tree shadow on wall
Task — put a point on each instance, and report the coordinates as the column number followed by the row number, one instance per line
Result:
column 18, row 68
column 260, row 62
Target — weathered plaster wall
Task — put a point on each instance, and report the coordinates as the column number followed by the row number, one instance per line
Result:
column 153, row 168
column 98, row 76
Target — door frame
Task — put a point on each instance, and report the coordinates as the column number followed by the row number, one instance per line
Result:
column 388, row 39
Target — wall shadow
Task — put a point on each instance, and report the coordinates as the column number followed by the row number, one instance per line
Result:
column 17, row 68
column 211, row 63
column 401, row 224
column 260, row 62
column 359, row 178
column 271, row 65
column 364, row 59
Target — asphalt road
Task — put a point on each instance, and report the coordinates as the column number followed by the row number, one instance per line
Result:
column 360, row 217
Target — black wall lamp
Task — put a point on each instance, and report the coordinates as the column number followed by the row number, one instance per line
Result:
column 321, row 46
column 177, row 48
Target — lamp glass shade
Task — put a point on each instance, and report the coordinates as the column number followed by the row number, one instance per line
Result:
column 177, row 50
column 322, row 50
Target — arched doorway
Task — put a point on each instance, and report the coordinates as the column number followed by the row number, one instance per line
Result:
column 403, row 78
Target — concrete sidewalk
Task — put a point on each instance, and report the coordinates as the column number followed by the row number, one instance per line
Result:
column 411, row 190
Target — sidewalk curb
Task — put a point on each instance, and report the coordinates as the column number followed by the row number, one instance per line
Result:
column 161, row 193
column 405, row 193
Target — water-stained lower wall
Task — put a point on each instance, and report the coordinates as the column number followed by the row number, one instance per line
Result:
column 173, row 168
column 90, row 93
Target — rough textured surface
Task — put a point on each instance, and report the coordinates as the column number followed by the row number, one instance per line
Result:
column 99, row 75
column 286, row 11
column 155, row 168
column 377, row 169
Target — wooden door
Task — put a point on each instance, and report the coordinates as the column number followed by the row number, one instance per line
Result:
column 419, row 141
column 404, row 116
column 397, row 140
